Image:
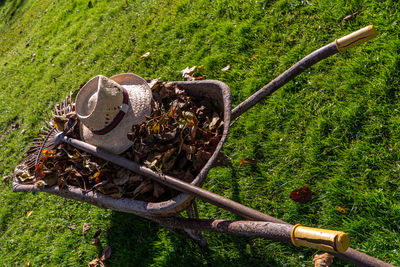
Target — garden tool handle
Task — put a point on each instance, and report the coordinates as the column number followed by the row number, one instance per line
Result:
column 334, row 47
column 355, row 38
column 322, row 239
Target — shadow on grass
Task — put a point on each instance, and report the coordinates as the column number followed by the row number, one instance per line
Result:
column 136, row 241
column 15, row 5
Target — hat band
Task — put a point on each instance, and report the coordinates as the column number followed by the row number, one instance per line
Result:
column 117, row 119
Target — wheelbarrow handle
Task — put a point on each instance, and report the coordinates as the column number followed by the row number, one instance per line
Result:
column 339, row 45
column 321, row 239
column 355, row 38
column 298, row 237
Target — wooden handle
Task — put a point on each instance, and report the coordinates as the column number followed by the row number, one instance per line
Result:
column 322, row 239
column 355, row 38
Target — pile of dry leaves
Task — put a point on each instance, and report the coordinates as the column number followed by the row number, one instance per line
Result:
column 177, row 139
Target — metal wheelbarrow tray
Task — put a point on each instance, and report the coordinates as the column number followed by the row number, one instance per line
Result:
column 209, row 88
column 262, row 225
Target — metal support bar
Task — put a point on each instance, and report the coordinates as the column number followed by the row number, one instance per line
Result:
column 268, row 230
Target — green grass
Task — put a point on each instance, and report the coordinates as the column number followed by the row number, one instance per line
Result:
column 335, row 128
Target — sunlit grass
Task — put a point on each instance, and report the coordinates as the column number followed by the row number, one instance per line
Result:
column 335, row 128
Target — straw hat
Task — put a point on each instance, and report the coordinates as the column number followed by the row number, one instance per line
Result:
column 107, row 109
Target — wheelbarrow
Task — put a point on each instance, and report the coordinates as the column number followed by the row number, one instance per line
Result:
column 165, row 213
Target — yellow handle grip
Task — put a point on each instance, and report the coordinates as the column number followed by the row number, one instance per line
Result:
column 355, row 38
column 322, row 239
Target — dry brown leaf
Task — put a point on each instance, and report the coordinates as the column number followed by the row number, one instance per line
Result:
column 350, row 17
column 143, row 188
column 200, row 77
column 254, row 57
column 323, row 260
column 6, row 179
column 96, row 242
column 123, row 176
column 60, row 122
column 98, row 232
column 226, row 68
column 85, row 228
column 51, row 180
column 158, row 190
column 342, row 210
column 154, row 83
column 96, row 263
column 167, row 155
column 187, row 73
column 72, row 227
column 247, row 161
column 214, row 122
column 301, row 195
column 106, row 253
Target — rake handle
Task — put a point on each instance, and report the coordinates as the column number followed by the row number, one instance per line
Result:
column 171, row 182
column 339, row 45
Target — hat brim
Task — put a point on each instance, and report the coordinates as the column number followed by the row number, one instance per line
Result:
column 116, row 141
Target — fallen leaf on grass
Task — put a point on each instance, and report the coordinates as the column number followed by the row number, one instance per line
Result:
column 350, row 17
column 342, row 210
column 29, row 213
column 72, row 227
column 98, row 232
column 323, row 260
column 96, row 263
column 226, row 68
column 106, row 253
column 85, row 228
column 7, row 179
column 96, row 242
column 15, row 126
column 247, row 161
column 254, row 57
column 301, row 195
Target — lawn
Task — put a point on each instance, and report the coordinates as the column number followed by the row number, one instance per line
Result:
column 335, row 128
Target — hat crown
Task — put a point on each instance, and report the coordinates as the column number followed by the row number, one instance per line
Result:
column 103, row 104
column 107, row 109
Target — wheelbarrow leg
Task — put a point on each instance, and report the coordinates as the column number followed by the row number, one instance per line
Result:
column 195, row 234
column 190, row 233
